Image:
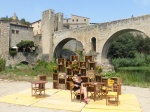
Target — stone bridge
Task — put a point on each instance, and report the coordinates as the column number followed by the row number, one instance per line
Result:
column 97, row 37
column 103, row 34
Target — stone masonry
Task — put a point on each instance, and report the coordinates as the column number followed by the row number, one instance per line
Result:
column 50, row 22
column 54, row 37
column 4, row 39
column 104, row 33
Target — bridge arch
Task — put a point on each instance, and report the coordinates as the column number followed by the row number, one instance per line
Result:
column 24, row 62
column 58, row 47
column 114, row 37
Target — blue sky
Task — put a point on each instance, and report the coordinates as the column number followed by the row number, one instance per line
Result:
column 97, row 10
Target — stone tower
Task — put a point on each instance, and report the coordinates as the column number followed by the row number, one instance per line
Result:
column 14, row 18
column 51, row 22
column 58, row 21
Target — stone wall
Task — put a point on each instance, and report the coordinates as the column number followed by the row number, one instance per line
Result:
column 104, row 33
column 20, row 57
column 9, row 38
column 50, row 23
column 4, row 39
column 58, row 22
column 24, row 33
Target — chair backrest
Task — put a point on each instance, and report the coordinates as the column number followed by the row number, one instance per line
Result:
column 116, row 88
column 110, row 82
column 110, row 85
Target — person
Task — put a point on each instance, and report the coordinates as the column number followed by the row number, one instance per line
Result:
column 77, row 84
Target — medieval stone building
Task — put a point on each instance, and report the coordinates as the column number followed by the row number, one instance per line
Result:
column 11, row 33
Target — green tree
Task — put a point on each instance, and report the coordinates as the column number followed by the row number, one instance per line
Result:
column 23, row 21
column 123, row 47
column 6, row 18
column 146, row 45
column 139, row 43
column 25, row 45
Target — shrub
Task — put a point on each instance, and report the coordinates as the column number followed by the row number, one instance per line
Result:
column 44, row 67
column 12, row 52
column 111, row 74
column 139, row 60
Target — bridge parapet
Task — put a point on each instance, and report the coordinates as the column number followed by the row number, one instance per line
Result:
column 90, row 27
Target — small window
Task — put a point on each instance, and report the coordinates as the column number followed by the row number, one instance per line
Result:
column 38, row 26
column 67, row 20
column 17, row 31
column 13, row 31
column 73, row 20
column 84, row 20
column 76, row 20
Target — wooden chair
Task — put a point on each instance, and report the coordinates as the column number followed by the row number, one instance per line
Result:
column 112, row 94
column 74, row 94
column 90, row 89
column 105, row 81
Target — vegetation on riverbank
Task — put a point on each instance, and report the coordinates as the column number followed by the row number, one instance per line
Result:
column 133, row 76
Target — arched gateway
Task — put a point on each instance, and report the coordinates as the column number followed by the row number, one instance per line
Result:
column 101, row 34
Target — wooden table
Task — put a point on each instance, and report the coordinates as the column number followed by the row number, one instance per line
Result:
column 38, row 87
column 94, row 85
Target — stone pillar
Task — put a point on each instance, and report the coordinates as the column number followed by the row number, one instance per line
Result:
column 60, row 21
column 47, row 34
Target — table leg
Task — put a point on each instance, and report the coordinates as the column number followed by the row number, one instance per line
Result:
column 94, row 92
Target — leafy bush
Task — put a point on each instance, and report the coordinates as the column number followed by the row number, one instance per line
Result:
column 12, row 52
column 44, row 67
column 139, row 60
column 111, row 74
column 25, row 44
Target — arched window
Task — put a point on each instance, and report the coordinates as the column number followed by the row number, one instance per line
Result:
column 93, row 43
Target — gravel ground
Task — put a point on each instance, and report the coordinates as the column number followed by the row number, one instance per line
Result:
column 10, row 87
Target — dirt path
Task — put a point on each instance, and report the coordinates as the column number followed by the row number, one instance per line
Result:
column 142, row 94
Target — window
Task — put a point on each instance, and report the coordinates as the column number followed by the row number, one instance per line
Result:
column 76, row 20
column 93, row 44
column 67, row 20
column 84, row 20
column 38, row 26
column 13, row 31
column 73, row 20
column 17, row 31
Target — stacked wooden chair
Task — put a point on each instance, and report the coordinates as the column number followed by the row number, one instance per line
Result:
column 112, row 94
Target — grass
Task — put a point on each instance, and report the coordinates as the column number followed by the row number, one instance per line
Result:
column 22, row 72
column 133, row 76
